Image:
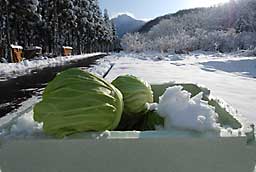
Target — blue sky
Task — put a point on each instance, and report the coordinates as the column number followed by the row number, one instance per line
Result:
column 148, row 9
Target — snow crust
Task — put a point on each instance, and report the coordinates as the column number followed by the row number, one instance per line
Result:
column 182, row 112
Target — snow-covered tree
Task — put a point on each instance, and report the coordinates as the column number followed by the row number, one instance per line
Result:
column 4, row 28
column 55, row 23
column 23, row 17
column 223, row 28
column 108, row 31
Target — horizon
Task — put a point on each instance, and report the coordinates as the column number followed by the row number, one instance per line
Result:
column 151, row 8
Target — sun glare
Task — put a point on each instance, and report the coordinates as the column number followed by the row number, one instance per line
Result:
column 207, row 3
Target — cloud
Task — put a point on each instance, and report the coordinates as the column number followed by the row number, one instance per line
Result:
column 146, row 19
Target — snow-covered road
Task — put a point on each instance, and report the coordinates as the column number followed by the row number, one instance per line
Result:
column 229, row 78
column 13, row 70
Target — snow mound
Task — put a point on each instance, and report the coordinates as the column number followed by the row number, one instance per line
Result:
column 26, row 125
column 23, row 127
column 182, row 112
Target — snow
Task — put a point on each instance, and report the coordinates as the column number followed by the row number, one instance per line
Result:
column 20, row 123
column 237, row 88
column 16, row 46
column 26, row 125
column 182, row 112
column 234, row 90
column 12, row 70
column 101, row 67
column 67, row 47
column 25, row 107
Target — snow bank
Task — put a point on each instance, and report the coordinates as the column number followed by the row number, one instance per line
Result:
column 20, row 122
column 23, row 127
column 12, row 70
column 26, row 125
column 182, row 112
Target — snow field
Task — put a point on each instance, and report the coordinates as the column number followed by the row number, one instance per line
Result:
column 238, row 90
column 235, row 88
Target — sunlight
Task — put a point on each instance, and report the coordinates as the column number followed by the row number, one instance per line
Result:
column 207, row 3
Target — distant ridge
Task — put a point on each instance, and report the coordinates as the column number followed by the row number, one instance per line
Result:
column 147, row 26
column 126, row 24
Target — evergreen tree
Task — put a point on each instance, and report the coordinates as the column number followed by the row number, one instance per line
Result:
column 52, row 24
column 108, row 31
column 116, row 44
column 4, row 28
column 83, row 20
column 66, row 21
column 22, row 17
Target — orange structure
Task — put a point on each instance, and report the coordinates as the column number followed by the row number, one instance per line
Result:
column 16, row 53
column 66, row 51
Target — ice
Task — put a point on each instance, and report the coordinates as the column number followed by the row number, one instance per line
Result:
column 182, row 112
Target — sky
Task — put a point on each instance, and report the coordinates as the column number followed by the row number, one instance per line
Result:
column 149, row 9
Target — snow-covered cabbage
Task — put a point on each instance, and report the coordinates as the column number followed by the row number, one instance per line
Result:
column 136, row 93
column 182, row 112
column 78, row 101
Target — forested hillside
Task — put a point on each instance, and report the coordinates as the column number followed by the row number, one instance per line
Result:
column 147, row 26
column 224, row 28
column 52, row 24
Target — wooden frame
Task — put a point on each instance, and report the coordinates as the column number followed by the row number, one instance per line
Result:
column 16, row 53
column 67, row 51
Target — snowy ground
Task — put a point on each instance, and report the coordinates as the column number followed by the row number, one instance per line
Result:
column 12, row 70
column 229, row 77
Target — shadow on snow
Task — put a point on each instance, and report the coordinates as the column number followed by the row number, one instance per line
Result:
column 242, row 67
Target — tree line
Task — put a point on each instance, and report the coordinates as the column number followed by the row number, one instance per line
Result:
column 223, row 28
column 52, row 24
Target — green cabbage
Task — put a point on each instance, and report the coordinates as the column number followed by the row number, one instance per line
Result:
column 152, row 119
column 137, row 93
column 78, row 101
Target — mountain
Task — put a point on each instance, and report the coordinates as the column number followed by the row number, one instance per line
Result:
column 126, row 24
column 147, row 26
